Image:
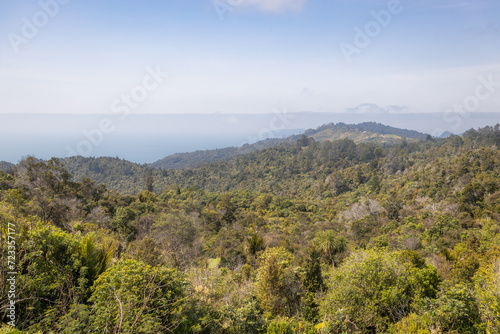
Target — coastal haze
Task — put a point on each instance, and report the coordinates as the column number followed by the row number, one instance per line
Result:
column 147, row 138
column 250, row 166
column 144, row 81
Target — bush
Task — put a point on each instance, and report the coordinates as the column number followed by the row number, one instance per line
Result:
column 280, row 326
column 277, row 288
column 131, row 297
column 487, row 291
column 413, row 324
column 373, row 289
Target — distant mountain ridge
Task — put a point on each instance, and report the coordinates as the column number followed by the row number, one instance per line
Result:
column 363, row 132
column 273, row 166
column 372, row 127
column 201, row 157
column 128, row 177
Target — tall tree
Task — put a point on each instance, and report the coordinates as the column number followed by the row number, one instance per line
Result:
column 149, row 180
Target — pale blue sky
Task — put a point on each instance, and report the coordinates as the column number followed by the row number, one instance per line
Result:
column 253, row 58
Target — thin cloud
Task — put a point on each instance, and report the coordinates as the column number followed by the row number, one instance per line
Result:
column 466, row 5
column 275, row 6
column 370, row 108
column 453, row 4
column 487, row 29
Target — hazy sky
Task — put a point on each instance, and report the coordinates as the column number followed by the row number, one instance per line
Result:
column 248, row 56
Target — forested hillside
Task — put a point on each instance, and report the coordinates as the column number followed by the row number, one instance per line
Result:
column 279, row 158
column 197, row 158
column 371, row 127
column 302, row 237
column 363, row 132
column 6, row 166
column 115, row 173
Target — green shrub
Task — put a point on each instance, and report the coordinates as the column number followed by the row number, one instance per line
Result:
column 280, row 326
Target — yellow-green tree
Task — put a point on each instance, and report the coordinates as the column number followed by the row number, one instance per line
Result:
column 278, row 290
column 372, row 289
column 132, row 297
column 487, row 287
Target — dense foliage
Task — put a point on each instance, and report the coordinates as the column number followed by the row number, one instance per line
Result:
column 6, row 166
column 368, row 131
column 367, row 127
column 201, row 157
column 302, row 237
column 128, row 177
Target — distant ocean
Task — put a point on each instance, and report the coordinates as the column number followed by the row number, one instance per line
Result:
column 139, row 149
column 147, row 138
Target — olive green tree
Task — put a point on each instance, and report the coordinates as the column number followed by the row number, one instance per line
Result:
column 372, row 289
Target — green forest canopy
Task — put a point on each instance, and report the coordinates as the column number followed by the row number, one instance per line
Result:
column 302, row 237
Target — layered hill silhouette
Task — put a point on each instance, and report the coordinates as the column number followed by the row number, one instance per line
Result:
column 363, row 132
column 236, row 167
column 330, row 144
